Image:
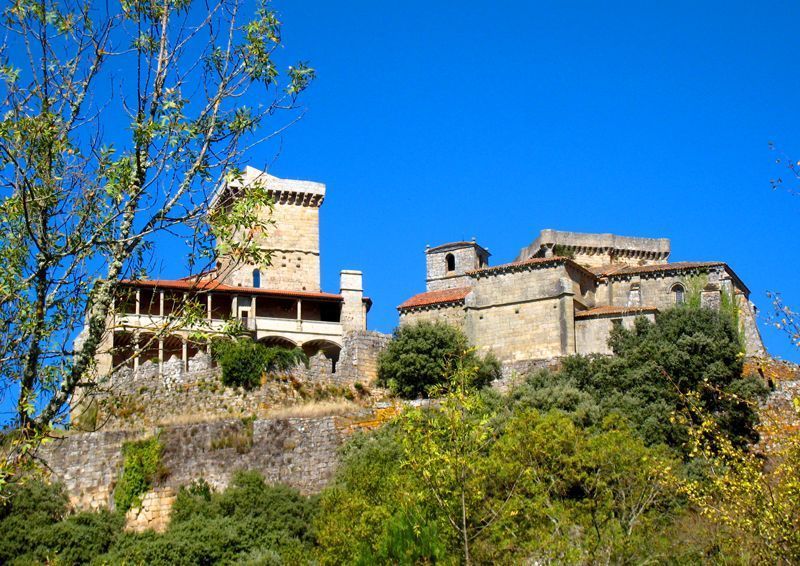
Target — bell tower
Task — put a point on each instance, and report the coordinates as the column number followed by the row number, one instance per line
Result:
column 448, row 264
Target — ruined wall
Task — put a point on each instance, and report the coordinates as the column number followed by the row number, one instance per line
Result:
column 358, row 361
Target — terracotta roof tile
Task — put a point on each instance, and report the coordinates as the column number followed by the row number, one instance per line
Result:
column 436, row 297
column 612, row 310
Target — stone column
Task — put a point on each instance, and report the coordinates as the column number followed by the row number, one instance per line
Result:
column 160, row 356
column 136, row 342
column 185, row 354
column 354, row 312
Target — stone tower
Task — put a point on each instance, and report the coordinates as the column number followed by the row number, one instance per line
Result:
column 448, row 264
column 292, row 239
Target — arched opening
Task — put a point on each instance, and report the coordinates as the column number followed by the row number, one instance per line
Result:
column 257, row 278
column 278, row 341
column 450, row 260
column 679, row 294
column 323, row 351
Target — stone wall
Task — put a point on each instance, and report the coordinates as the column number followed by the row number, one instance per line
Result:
column 522, row 315
column 143, row 398
column 294, row 242
column 450, row 314
column 299, row 452
column 592, row 334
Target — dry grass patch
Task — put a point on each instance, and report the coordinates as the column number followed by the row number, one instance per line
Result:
column 314, row 409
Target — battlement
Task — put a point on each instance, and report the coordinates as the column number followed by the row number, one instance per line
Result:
column 594, row 250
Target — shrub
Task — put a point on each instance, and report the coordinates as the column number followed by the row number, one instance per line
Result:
column 140, row 469
column 244, row 361
column 422, row 355
column 30, row 508
column 248, row 522
column 686, row 350
column 35, row 528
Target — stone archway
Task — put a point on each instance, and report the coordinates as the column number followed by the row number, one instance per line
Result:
column 323, row 354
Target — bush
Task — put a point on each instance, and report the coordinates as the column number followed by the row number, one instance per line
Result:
column 422, row 355
column 686, row 350
column 249, row 522
column 35, row 528
column 244, row 361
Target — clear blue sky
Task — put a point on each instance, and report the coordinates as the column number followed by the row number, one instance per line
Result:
column 438, row 121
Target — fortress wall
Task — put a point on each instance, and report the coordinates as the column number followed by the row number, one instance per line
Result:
column 299, row 452
column 358, row 361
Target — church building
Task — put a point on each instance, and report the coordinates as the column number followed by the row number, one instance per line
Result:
column 566, row 291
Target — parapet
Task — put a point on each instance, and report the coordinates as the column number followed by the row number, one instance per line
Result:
column 282, row 191
column 594, row 250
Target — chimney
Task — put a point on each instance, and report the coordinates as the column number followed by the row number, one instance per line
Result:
column 354, row 311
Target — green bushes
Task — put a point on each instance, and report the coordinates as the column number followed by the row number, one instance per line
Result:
column 421, row 355
column 35, row 528
column 141, row 468
column 244, row 361
column 250, row 522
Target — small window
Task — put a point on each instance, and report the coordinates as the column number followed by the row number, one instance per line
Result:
column 450, row 259
column 616, row 323
column 257, row 278
column 679, row 293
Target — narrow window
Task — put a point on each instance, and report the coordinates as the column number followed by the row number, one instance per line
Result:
column 616, row 323
column 680, row 294
column 257, row 278
column 451, row 262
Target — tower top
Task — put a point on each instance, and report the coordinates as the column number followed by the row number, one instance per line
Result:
column 282, row 191
column 598, row 249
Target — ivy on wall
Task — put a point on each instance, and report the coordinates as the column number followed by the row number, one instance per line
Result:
column 141, row 469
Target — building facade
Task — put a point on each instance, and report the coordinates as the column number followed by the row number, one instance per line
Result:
column 277, row 304
column 565, row 292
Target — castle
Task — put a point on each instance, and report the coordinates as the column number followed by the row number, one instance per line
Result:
column 280, row 304
column 562, row 295
column 565, row 292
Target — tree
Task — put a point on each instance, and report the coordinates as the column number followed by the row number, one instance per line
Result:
column 422, row 355
column 118, row 120
column 656, row 364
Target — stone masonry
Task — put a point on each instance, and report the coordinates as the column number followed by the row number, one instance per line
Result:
column 299, row 452
column 544, row 306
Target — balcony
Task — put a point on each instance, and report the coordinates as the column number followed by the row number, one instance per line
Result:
column 297, row 331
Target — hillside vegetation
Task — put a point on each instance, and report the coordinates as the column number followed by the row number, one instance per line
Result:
column 647, row 456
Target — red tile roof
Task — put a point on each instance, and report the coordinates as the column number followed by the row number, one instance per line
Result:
column 444, row 296
column 611, row 310
column 613, row 270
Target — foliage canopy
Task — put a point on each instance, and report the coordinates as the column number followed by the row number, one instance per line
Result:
column 422, row 355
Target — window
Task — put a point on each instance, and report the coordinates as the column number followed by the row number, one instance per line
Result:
column 680, row 294
column 451, row 262
column 257, row 278
column 616, row 323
